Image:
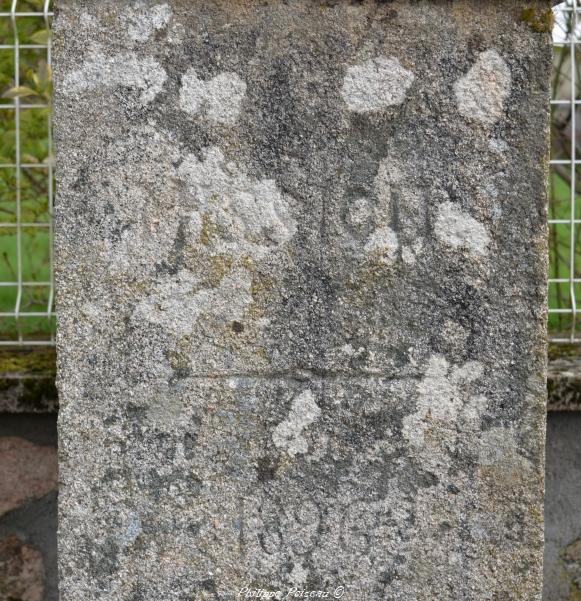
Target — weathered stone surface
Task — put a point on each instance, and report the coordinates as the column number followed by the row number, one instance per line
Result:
column 301, row 288
column 21, row 571
column 27, row 471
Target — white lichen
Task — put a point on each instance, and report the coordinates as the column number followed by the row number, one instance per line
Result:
column 177, row 302
column 101, row 72
column 299, row 574
column 132, row 530
column 481, row 94
column 382, row 245
column 288, row 435
column 236, row 214
column 409, row 254
column 376, row 84
column 141, row 21
column 497, row 145
column 453, row 334
column 457, row 230
column 360, row 212
column 442, row 400
column 218, row 99
column 233, row 218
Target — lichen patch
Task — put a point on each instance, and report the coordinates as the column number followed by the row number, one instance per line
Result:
column 132, row 530
column 234, row 220
column 143, row 21
column 376, row 84
column 445, row 403
column 410, row 254
column 218, row 99
column 127, row 70
column 177, row 302
column 382, row 245
column 288, row 435
column 360, row 213
column 299, row 574
column 481, row 94
column 457, row 230
column 253, row 212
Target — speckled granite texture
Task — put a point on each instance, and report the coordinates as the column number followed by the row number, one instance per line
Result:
column 301, row 266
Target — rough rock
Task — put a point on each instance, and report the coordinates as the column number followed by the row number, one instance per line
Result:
column 301, row 278
column 27, row 471
column 21, row 571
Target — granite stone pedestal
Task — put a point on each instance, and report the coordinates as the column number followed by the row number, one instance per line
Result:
column 301, row 273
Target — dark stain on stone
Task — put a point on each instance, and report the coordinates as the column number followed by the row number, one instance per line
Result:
column 445, row 527
column 194, row 528
column 237, row 327
column 110, row 475
column 266, row 468
column 427, row 480
column 136, row 412
column 452, row 489
column 181, row 372
column 190, row 441
column 208, row 585
column 117, row 231
column 386, row 577
column 82, row 181
column 176, row 259
column 158, row 485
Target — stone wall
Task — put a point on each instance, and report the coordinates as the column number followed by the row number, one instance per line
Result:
column 28, row 504
column 28, row 475
column 562, row 573
column 301, row 277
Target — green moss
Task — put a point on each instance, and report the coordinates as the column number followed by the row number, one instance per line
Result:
column 574, row 593
column 27, row 378
column 539, row 20
column 563, row 351
column 42, row 361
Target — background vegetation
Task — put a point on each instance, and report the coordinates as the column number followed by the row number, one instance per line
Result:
column 34, row 88
column 564, row 239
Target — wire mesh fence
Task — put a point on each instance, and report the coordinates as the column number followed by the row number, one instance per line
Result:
column 27, row 178
column 565, row 178
column 26, row 174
